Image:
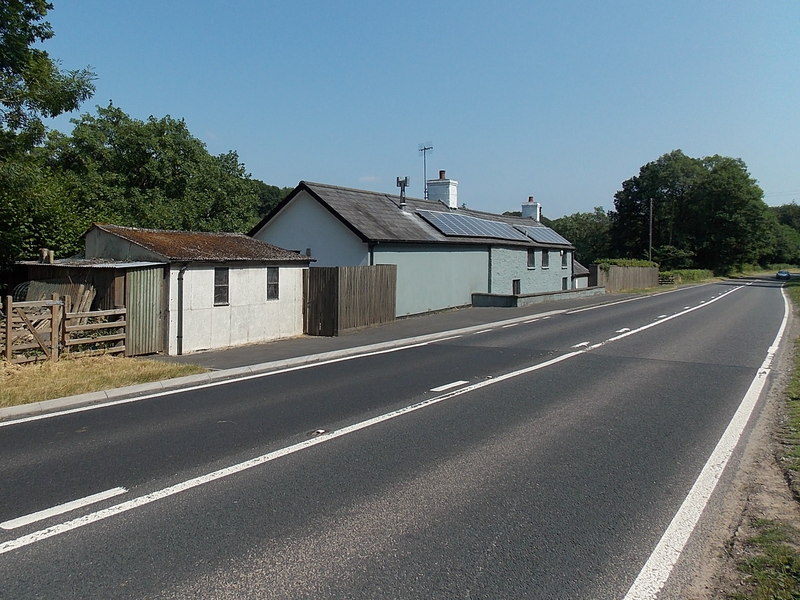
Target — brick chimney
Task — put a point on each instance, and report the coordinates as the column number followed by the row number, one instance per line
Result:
column 443, row 190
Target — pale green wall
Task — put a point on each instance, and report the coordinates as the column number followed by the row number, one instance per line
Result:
column 434, row 277
column 512, row 263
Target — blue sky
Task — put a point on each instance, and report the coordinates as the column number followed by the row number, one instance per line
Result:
column 562, row 100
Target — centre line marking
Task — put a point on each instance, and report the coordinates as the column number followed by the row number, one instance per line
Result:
column 448, row 386
column 62, row 508
column 581, row 345
column 623, row 330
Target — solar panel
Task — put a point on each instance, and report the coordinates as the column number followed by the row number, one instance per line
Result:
column 454, row 224
column 545, row 235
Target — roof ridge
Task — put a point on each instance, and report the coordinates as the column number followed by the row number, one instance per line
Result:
column 151, row 230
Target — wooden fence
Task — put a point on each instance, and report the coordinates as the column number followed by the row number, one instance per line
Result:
column 342, row 298
column 618, row 278
column 47, row 329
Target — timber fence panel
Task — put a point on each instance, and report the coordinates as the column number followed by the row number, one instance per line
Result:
column 618, row 278
column 342, row 298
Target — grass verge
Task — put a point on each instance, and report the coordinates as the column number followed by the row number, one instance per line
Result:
column 22, row 384
column 771, row 566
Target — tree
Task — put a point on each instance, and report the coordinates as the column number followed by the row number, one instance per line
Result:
column 152, row 173
column 663, row 186
column 706, row 213
column 728, row 222
column 588, row 232
column 788, row 214
column 32, row 85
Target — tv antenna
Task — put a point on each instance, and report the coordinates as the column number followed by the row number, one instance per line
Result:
column 425, row 148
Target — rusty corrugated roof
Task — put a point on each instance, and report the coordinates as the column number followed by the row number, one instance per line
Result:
column 200, row 246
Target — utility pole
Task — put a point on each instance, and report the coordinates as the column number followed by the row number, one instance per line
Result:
column 650, row 251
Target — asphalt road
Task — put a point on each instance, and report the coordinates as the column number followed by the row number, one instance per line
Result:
column 548, row 462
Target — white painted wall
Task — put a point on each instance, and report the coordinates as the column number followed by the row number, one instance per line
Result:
column 580, row 282
column 304, row 223
column 431, row 277
column 249, row 317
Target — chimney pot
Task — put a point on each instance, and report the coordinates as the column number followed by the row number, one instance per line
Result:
column 441, row 174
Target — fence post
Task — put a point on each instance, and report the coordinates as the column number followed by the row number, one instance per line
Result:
column 65, row 322
column 9, row 306
column 55, row 327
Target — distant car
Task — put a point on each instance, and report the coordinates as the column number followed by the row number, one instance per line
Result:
column 782, row 275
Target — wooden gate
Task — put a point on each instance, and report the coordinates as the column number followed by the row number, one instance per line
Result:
column 47, row 329
column 31, row 327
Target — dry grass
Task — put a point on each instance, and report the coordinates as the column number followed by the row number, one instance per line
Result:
column 22, row 384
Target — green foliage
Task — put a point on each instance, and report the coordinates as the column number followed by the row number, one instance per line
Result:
column 153, row 174
column 686, row 275
column 588, row 232
column 35, row 213
column 773, row 568
column 117, row 169
column 605, row 263
column 32, row 85
column 706, row 213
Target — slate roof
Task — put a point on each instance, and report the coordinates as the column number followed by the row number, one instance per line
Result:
column 578, row 269
column 377, row 217
column 203, row 247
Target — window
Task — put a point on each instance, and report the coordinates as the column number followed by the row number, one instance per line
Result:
column 272, row 283
column 531, row 258
column 220, row 286
column 515, row 287
column 564, row 283
column 545, row 259
column 564, row 259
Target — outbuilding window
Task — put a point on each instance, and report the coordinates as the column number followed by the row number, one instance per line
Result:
column 273, row 283
column 221, row 286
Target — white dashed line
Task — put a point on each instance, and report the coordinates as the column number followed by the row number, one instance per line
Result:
column 448, row 386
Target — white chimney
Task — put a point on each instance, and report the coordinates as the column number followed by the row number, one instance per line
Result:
column 443, row 190
column 532, row 209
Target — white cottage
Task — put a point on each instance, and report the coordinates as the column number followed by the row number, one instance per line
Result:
column 444, row 252
column 212, row 290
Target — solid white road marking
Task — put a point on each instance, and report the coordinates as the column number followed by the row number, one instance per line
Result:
column 448, row 386
column 659, row 566
column 62, row 508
